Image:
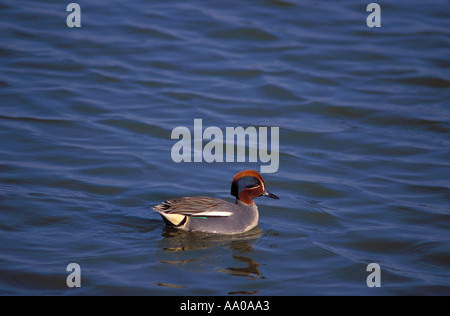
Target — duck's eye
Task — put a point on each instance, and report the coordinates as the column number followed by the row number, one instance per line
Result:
column 244, row 183
column 249, row 182
column 254, row 186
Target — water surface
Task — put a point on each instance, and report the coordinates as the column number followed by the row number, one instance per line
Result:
column 86, row 116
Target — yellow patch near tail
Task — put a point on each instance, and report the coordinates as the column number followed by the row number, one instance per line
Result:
column 175, row 219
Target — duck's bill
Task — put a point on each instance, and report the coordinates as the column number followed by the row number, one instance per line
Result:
column 271, row 195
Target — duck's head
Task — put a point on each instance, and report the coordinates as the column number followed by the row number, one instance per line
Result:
column 248, row 185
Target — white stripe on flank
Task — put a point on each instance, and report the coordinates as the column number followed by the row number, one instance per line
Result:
column 213, row 213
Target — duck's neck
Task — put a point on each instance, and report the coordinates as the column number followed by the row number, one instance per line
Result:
column 245, row 200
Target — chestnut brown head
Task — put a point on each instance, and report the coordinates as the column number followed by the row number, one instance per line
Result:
column 248, row 185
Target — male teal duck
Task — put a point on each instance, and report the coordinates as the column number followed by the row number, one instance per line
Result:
column 212, row 215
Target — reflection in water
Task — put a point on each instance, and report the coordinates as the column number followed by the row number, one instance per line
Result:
column 178, row 240
column 175, row 286
column 189, row 245
column 251, row 270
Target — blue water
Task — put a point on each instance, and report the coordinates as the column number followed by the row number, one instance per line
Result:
column 86, row 116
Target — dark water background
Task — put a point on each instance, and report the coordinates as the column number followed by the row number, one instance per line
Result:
column 86, row 116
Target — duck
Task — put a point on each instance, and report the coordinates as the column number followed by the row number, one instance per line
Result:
column 217, row 216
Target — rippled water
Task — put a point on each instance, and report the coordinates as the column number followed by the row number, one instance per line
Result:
column 86, row 116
